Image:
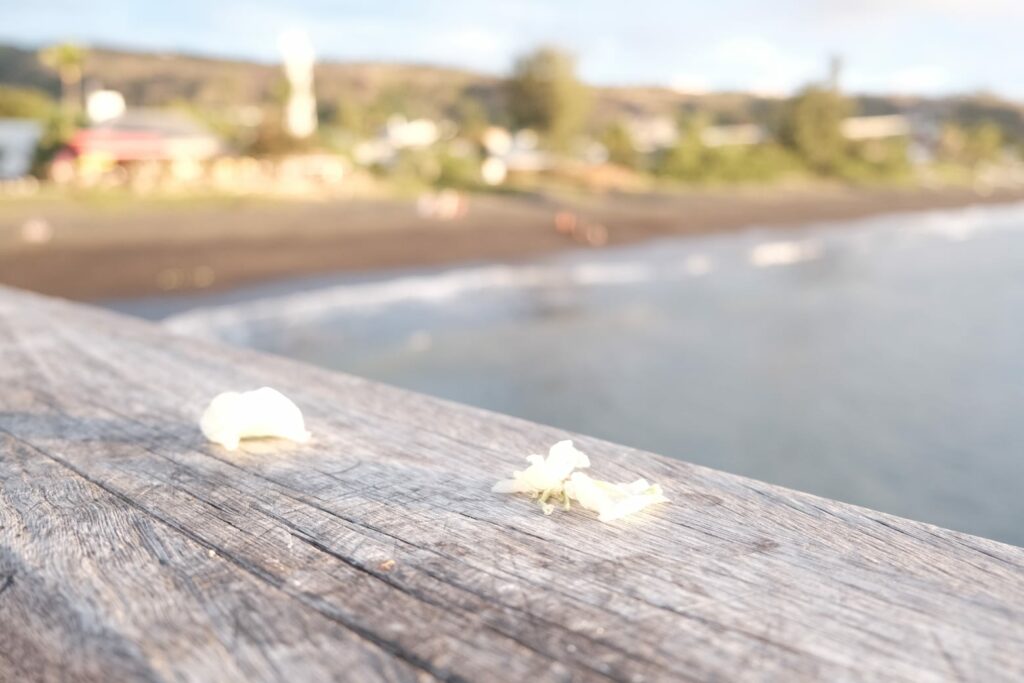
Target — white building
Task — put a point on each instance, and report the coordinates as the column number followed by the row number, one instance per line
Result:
column 300, row 110
column 417, row 133
column 875, row 127
column 652, row 133
column 740, row 135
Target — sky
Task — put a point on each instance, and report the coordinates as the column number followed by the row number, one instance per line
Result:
column 926, row 47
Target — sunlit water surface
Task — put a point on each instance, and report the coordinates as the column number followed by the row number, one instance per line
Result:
column 879, row 362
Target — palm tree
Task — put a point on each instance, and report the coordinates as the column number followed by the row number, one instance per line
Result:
column 67, row 60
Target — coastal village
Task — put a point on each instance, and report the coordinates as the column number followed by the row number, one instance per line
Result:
column 98, row 137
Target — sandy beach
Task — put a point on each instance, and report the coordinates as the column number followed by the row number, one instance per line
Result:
column 90, row 250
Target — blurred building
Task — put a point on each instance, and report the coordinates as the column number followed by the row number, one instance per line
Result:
column 146, row 135
column 399, row 133
column 740, row 135
column 651, row 133
column 403, row 133
column 875, row 127
column 104, row 105
column 509, row 152
column 18, row 141
column 300, row 110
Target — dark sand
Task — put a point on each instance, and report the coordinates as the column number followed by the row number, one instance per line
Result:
column 145, row 247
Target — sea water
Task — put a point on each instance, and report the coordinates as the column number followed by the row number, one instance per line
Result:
column 878, row 361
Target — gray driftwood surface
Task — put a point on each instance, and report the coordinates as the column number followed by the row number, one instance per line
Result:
column 133, row 550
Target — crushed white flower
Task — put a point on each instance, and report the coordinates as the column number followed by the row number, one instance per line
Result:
column 612, row 501
column 555, row 478
column 233, row 416
column 545, row 477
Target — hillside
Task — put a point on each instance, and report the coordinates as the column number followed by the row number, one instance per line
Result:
column 153, row 79
column 148, row 79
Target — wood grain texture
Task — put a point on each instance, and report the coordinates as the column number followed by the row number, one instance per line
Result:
column 132, row 549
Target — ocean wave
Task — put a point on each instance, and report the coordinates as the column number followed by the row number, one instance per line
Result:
column 232, row 322
column 784, row 253
column 425, row 289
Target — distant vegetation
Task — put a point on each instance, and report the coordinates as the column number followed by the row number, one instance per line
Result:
column 242, row 102
column 67, row 60
column 25, row 103
column 545, row 94
column 810, row 127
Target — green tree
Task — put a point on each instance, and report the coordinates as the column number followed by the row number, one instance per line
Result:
column 686, row 159
column 619, row 143
column 952, row 140
column 458, row 170
column 545, row 93
column 67, row 59
column 882, row 159
column 812, row 127
column 57, row 130
column 24, row 103
column 984, row 143
column 972, row 145
column 363, row 118
column 471, row 115
column 351, row 116
column 759, row 163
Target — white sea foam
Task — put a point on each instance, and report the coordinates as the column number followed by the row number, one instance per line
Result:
column 698, row 265
column 233, row 321
column 783, row 253
column 426, row 289
column 964, row 224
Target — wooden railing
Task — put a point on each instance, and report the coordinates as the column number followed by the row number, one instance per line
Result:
column 132, row 549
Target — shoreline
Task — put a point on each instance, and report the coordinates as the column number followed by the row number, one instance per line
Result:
column 151, row 248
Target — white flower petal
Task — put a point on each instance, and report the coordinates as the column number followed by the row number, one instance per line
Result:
column 612, row 501
column 628, row 506
column 546, row 475
column 233, row 416
column 554, row 479
column 563, row 458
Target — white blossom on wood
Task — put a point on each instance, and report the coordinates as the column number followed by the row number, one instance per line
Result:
column 233, row 416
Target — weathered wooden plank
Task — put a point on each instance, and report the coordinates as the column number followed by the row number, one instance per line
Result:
column 735, row 578
column 97, row 590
